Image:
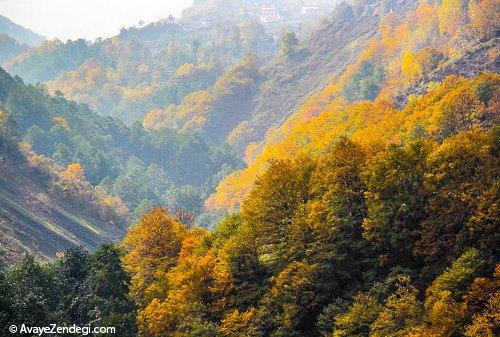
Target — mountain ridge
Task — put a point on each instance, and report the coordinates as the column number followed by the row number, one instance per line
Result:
column 19, row 33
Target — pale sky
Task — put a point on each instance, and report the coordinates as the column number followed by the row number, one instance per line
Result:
column 72, row 19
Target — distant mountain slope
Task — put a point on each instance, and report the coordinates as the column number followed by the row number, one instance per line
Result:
column 47, row 60
column 285, row 81
column 19, row 33
column 10, row 48
column 319, row 60
column 141, row 69
column 291, row 80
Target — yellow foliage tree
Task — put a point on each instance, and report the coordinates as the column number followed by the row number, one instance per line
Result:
column 153, row 247
column 72, row 180
column 73, row 172
column 153, row 119
column 409, row 67
column 186, row 287
column 237, row 324
column 450, row 13
column 61, row 121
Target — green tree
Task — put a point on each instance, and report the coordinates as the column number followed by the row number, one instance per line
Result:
column 273, row 203
column 396, row 200
column 184, row 198
column 8, row 133
column 335, row 215
column 289, row 43
column 70, row 273
column 365, row 83
column 401, row 313
column 357, row 319
column 239, row 254
column 107, row 291
column 462, row 178
column 32, row 293
column 38, row 139
column 290, row 301
column 7, row 310
column 445, row 310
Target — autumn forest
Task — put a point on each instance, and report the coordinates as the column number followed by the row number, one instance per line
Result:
column 278, row 168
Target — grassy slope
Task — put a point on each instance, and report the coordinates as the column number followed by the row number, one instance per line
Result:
column 32, row 220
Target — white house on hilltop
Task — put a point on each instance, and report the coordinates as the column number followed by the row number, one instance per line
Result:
column 270, row 14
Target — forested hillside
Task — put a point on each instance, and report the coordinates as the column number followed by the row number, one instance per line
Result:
column 228, row 174
column 105, row 163
column 301, row 66
column 141, row 69
column 412, row 53
column 398, row 240
column 401, row 243
column 15, row 39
